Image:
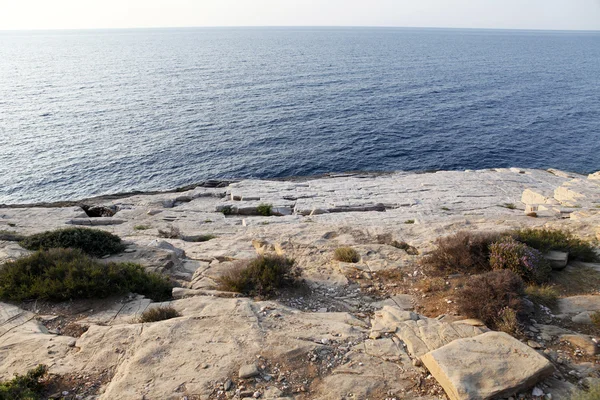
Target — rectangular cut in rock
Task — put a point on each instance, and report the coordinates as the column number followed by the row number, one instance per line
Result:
column 488, row 366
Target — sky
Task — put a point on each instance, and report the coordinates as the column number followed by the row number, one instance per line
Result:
column 496, row 14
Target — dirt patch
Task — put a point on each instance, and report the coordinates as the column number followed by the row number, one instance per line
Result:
column 76, row 386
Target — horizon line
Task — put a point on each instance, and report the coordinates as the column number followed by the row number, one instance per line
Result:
column 297, row 26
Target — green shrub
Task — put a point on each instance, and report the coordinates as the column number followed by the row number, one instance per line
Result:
column 265, row 209
column 227, row 210
column 156, row 314
column 409, row 221
column 141, row 227
column 488, row 296
column 64, row 274
column 94, row 242
column 262, row 276
column 521, row 259
column 545, row 295
column 463, row 252
column 346, row 254
column 546, row 240
column 26, row 387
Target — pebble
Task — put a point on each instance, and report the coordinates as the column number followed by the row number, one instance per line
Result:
column 228, row 385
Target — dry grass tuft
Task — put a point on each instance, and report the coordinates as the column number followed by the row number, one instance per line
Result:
column 263, row 276
column 159, row 314
column 346, row 254
column 545, row 295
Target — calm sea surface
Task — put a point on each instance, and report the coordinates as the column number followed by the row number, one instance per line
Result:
column 84, row 113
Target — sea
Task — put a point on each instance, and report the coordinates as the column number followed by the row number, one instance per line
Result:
column 86, row 113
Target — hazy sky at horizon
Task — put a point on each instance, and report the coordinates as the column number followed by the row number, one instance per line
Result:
column 502, row 14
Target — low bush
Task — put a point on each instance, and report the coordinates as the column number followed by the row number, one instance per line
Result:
column 521, row 259
column 27, row 387
column 463, row 252
column 265, row 210
column 545, row 295
column 508, row 321
column 346, row 254
column 64, row 274
column 94, row 242
column 487, row 296
column 546, row 240
column 156, row 314
column 141, row 227
column 262, row 276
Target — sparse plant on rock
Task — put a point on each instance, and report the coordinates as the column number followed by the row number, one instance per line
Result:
column 546, row 240
column 156, row 314
column 265, row 210
column 487, row 296
column 346, row 254
column 409, row 221
column 141, row 227
column 94, row 242
column 521, row 259
column 263, row 276
column 510, row 206
column 25, row 387
column 65, row 274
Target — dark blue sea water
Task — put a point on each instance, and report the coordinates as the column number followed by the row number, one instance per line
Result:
column 84, row 113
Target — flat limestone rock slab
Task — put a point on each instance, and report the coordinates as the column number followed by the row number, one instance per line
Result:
column 579, row 304
column 491, row 365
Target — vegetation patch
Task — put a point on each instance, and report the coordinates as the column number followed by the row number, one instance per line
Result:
column 263, row 276
column 156, row 314
column 510, row 206
column 94, row 242
column 545, row 295
column 26, row 387
column 595, row 317
column 64, row 274
column 10, row 236
column 409, row 221
column 265, row 210
column 546, row 240
column 346, row 254
column 198, row 238
column 592, row 394
column 521, row 259
column 141, row 227
column 487, row 296
column 463, row 252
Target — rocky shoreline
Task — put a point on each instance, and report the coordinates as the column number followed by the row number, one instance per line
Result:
column 354, row 332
